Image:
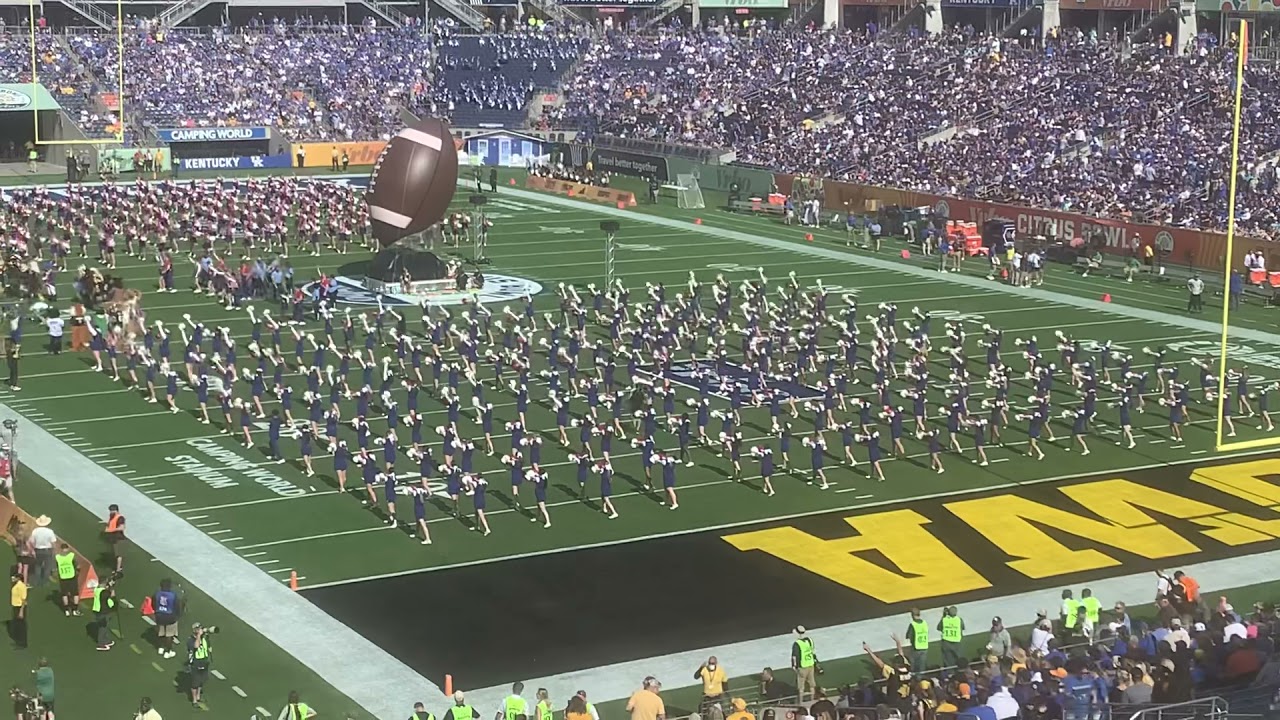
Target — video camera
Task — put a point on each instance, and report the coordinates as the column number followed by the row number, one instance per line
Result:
column 31, row 706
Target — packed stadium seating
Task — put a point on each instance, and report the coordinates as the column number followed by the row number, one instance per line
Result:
column 61, row 73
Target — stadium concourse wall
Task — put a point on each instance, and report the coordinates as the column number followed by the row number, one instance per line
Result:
column 1183, row 246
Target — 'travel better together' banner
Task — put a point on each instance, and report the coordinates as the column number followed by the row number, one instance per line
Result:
column 321, row 154
column 1201, row 249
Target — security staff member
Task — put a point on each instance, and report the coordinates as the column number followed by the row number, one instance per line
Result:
column 493, row 179
column 542, row 711
column 114, row 535
column 420, row 712
column 918, row 636
column 104, row 602
column 334, row 158
column 1069, row 606
column 1092, row 607
column 1195, row 294
column 514, row 706
column 346, row 160
column 803, row 660
column 69, row 589
column 952, row 629
column 653, row 189
column 460, row 710
column 296, row 709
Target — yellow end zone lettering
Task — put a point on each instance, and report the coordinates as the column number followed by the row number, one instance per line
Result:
column 1116, row 513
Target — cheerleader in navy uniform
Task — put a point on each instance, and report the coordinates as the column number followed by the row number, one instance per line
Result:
column 1177, row 416
column 420, row 495
column 477, row 486
column 369, row 474
column 817, row 452
column 935, row 450
column 979, row 428
column 516, row 462
column 765, row 457
column 784, row 445
column 668, row 464
column 96, row 343
column 306, row 436
column 584, row 464
column 388, row 479
column 894, row 416
column 1124, row 406
column 113, row 340
column 1241, row 378
column 1079, row 427
column 606, row 488
column 341, row 461
column 453, row 482
column 202, row 397
column 171, row 388
column 846, row 440
column 874, row 454
column 224, row 401
column 273, row 438
column 1263, row 407
column 539, row 479
column 1035, row 424
column 246, row 421
column 1226, row 415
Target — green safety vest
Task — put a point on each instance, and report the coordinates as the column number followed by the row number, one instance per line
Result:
column 1069, row 607
column 424, row 715
column 591, row 710
column 952, row 629
column 807, row 658
column 299, row 711
column 202, row 650
column 66, row 566
column 514, row 705
column 544, row 710
column 1092, row 609
column 919, row 635
column 462, row 712
column 97, row 600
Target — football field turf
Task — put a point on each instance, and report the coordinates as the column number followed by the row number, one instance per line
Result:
column 458, row 605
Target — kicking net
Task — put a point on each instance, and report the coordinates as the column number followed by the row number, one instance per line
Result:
column 689, row 196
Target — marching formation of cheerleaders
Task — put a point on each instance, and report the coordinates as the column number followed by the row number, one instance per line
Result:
column 822, row 372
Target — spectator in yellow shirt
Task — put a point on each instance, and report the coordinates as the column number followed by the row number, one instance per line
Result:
column 645, row 703
column 740, row 710
column 713, row 679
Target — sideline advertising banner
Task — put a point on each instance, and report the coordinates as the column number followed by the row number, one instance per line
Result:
column 620, row 162
column 1202, row 249
column 213, row 134
column 752, row 182
column 321, row 154
column 235, row 163
column 25, row 96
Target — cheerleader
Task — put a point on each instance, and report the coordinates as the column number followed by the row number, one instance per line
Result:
column 765, row 457
column 1263, row 410
column 369, row 474
column 476, row 487
column 979, row 428
column 1079, row 427
column 605, row 471
column 246, row 421
column 171, row 388
column 96, row 343
column 1035, row 425
column 388, row 478
column 935, row 451
column 1226, row 415
column 341, row 461
column 1124, row 406
column 668, row 464
column 420, row 495
column 872, row 441
column 817, row 451
column 539, row 480
column 1177, row 416
column 306, row 436
column 516, row 462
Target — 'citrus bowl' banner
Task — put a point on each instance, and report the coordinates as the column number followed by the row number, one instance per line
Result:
column 1202, row 249
column 321, row 154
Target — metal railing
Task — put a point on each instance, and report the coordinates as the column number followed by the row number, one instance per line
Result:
column 92, row 13
column 554, row 11
column 388, row 12
column 701, row 153
column 472, row 17
column 1210, row 708
column 180, row 12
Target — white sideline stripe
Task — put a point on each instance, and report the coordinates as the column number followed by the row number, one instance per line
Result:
column 389, row 217
column 421, row 138
column 380, row 683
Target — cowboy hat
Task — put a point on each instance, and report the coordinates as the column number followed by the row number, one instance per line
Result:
column 43, row 521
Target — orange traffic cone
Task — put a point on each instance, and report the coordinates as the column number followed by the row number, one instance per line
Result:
column 697, row 221
column 293, row 579
column 809, row 237
column 148, row 607
column 622, row 205
column 1106, row 297
column 448, row 685
column 571, row 192
column 513, row 182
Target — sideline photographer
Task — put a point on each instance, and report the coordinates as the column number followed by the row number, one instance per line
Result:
column 199, row 661
column 145, row 711
column 104, row 604
column 28, row 707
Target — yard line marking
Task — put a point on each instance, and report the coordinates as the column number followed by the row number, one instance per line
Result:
column 218, row 675
column 126, row 603
column 157, row 666
column 136, row 650
column 158, row 498
column 174, row 504
column 847, row 490
column 143, row 485
column 278, row 570
column 263, row 712
column 230, row 539
column 1156, row 441
column 153, row 492
column 1199, row 452
column 1000, row 460
column 205, row 525
column 266, row 562
column 147, row 618
column 219, row 532
column 236, row 689
column 126, row 472
column 197, row 517
column 257, row 554
column 321, row 536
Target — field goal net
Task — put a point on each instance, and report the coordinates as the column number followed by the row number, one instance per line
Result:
column 689, row 196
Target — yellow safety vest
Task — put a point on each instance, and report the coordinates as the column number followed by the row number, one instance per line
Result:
column 952, row 629
column 544, row 710
column 919, row 635
column 1092, row 609
column 462, row 712
column 66, row 566
column 514, row 705
column 807, row 658
column 1069, row 608
column 97, row 600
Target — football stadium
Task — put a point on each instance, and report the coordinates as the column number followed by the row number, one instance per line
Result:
column 868, row 359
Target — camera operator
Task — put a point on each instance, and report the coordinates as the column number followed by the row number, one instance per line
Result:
column 28, row 707
column 145, row 711
column 199, row 661
column 104, row 601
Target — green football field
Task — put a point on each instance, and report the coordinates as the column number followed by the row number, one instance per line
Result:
column 286, row 523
